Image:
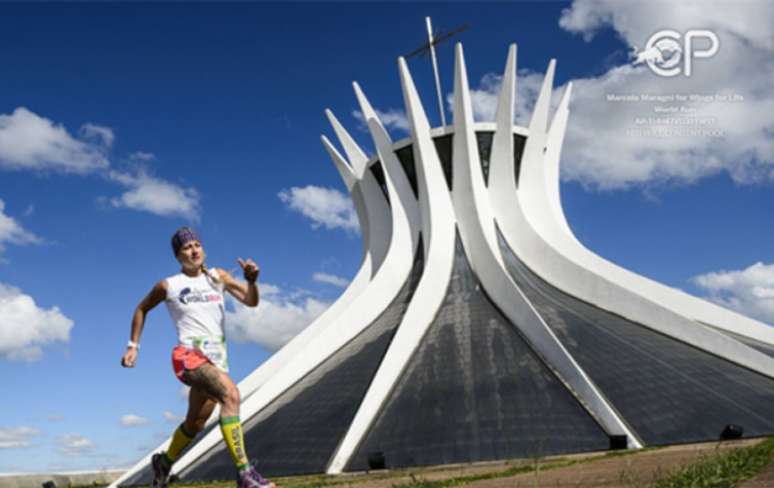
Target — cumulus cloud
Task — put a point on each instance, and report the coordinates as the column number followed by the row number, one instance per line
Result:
column 131, row 420
column 155, row 195
column 31, row 142
column 326, row 207
column 11, row 232
column 101, row 135
column 17, row 437
column 612, row 144
column 268, row 290
column 277, row 319
column 391, row 119
column 74, row 445
column 25, row 327
column 172, row 418
column 749, row 291
column 330, row 279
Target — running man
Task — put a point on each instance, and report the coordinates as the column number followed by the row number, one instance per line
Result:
column 195, row 301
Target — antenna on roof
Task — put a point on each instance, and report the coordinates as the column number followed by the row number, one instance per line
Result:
column 430, row 47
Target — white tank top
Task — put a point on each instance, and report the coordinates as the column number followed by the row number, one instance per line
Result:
column 196, row 306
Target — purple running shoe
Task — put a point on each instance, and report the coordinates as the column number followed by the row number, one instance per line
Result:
column 250, row 478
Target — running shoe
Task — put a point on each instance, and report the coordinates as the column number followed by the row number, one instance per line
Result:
column 160, row 470
column 250, row 478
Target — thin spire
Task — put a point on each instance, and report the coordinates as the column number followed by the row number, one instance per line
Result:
column 341, row 164
column 356, row 156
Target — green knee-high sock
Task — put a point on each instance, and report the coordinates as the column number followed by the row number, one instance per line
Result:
column 180, row 439
column 232, row 434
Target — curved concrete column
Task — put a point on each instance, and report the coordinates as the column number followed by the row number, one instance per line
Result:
column 438, row 234
column 551, row 171
column 374, row 211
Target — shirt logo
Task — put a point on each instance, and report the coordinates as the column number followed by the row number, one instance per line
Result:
column 187, row 296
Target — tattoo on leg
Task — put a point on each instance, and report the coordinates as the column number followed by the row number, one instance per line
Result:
column 208, row 379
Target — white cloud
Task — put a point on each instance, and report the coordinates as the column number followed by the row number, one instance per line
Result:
column 391, row 119
column 749, row 291
column 183, row 392
column 102, row 135
column 330, row 279
column 602, row 151
column 11, row 232
column 750, row 20
column 31, row 142
column 25, row 327
column 326, row 207
column 155, row 195
column 142, row 156
column 172, row 418
column 28, row 141
column 585, row 18
column 484, row 98
column 277, row 319
column 269, row 290
column 131, row 420
column 74, row 444
column 17, row 437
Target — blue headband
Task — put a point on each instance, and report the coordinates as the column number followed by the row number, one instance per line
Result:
column 181, row 237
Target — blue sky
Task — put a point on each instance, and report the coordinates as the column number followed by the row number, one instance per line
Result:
column 121, row 122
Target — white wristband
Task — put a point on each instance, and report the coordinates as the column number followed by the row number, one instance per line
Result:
column 133, row 344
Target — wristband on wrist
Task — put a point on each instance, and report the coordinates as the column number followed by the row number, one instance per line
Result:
column 133, row 344
column 247, row 278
